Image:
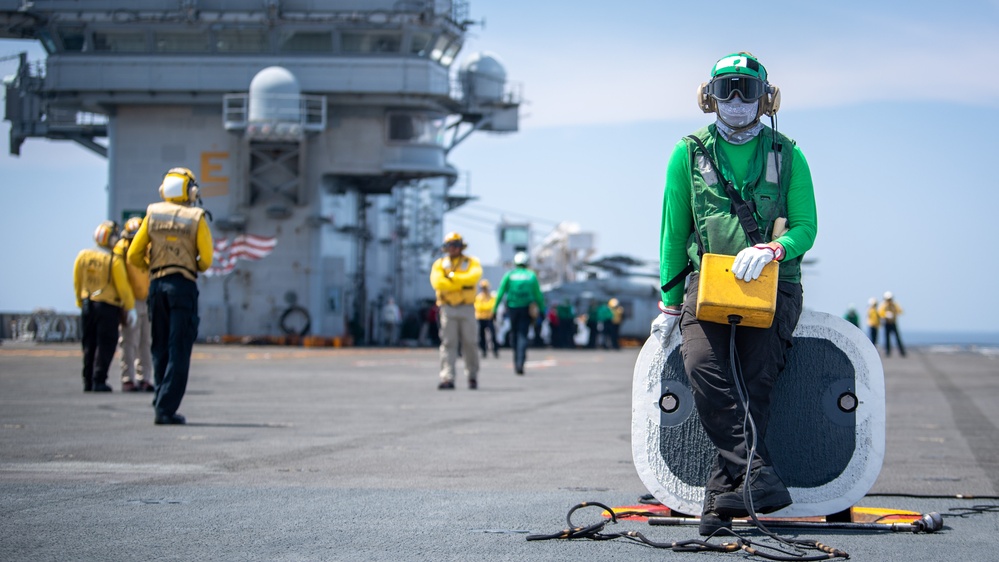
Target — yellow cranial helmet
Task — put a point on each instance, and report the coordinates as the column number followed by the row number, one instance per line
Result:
column 131, row 227
column 105, row 234
column 454, row 239
column 179, row 186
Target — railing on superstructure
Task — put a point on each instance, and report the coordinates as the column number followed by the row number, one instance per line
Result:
column 292, row 115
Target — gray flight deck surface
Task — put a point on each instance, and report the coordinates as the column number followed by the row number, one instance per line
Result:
column 353, row 454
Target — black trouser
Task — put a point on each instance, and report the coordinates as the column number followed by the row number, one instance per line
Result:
column 891, row 328
column 761, row 354
column 520, row 324
column 591, row 340
column 873, row 331
column 487, row 325
column 613, row 335
column 173, row 312
column 100, row 340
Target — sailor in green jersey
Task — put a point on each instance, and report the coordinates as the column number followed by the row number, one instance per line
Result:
column 520, row 287
column 771, row 175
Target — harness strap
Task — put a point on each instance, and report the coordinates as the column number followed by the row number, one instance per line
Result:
column 740, row 206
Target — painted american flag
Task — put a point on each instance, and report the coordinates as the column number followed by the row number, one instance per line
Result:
column 242, row 247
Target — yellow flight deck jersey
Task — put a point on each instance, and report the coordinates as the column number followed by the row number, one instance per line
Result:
column 889, row 311
column 100, row 276
column 873, row 318
column 177, row 240
column 455, row 280
column 484, row 303
column 138, row 278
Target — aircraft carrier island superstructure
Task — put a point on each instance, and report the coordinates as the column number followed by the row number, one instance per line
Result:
column 319, row 131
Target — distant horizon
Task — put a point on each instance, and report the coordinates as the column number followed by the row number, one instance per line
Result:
column 914, row 337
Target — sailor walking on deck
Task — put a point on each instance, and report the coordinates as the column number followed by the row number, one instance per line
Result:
column 175, row 237
column 889, row 311
column 484, row 302
column 873, row 320
column 136, row 340
column 524, row 304
column 454, row 277
column 102, row 294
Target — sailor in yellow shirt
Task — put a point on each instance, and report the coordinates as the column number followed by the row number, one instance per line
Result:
column 485, row 301
column 889, row 311
column 136, row 341
column 873, row 320
column 454, row 277
column 102, row 293
column 174, row 244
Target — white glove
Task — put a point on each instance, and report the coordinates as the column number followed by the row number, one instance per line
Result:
column 664, row 324
column 132, row 318
column 749, row 263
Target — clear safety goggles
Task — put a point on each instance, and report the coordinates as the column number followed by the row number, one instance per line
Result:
column 749, row 88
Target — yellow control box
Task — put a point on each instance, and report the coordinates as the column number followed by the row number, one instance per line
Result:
column 720, row 294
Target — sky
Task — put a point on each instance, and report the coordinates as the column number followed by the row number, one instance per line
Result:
column 894, row 105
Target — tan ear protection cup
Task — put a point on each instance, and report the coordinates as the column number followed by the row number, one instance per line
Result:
column 704, row 99
column 773, row 101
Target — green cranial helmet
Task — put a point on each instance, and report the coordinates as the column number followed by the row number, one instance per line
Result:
column 740, row 63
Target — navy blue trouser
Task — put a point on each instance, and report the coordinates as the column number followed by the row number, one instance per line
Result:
column 520, row 324
column 173, row 313
column 487, row 325
column 100, row 340
column 761, row 353
column 892, row 329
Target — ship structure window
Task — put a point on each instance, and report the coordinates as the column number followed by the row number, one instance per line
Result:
column 438, row 49
column 452, row 50
column 120, row 42
column 181, row 42
column 420, row 44
column 414, row 128
column 516, row 236
column 72, row 38
column 306, row 42
column 47, row 43
column 241, row 41
column 370, row 42
column 445, row 49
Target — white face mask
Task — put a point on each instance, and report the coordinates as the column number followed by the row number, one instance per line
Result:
column 737, row 113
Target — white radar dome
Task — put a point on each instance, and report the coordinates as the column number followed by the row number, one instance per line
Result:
column 275, row 96
column 483, row 77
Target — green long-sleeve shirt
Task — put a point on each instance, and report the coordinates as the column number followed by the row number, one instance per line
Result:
column 520, row 287
column 677, row 217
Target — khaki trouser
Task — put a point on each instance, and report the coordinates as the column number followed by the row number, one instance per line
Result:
column 458, row 327
column 136, row 343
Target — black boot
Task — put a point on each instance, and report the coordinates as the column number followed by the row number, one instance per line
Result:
column 101, row 387
column 711, row 521
column 767, row 490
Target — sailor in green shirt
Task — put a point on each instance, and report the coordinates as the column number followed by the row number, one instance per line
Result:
column 521, row 289
column 769, row 172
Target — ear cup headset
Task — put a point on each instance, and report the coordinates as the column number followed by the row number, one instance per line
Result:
column 179, row 185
